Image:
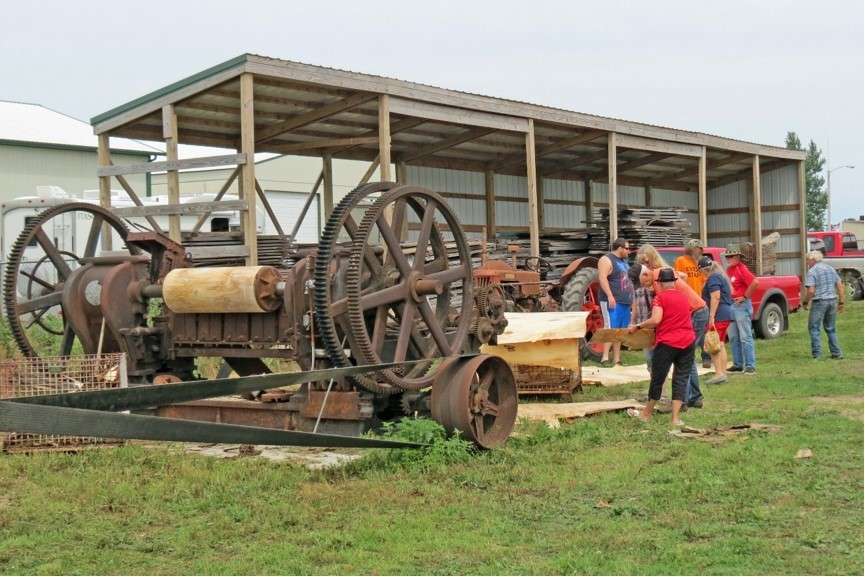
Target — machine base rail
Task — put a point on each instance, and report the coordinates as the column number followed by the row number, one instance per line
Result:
column 92, row 413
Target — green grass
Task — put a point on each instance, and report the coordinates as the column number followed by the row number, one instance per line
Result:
column 675, row 506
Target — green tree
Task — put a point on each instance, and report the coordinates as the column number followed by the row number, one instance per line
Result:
column 816, row 198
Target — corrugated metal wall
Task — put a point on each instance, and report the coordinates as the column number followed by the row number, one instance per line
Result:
column 780, row 209
column 465, row 191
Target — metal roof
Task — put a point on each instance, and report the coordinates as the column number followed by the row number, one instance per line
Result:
column 422, row 117
column 25, row 123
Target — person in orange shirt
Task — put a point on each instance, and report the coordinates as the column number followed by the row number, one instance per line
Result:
column 687, row 264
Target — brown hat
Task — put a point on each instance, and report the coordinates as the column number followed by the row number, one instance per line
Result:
column 734, row 249
column 666, row 275
column 693, row 243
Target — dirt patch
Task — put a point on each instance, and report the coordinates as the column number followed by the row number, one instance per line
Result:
column 849, row 406
column 721, row 434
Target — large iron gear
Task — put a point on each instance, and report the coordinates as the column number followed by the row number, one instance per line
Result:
column 403, row 288
column 33, row 232
column 323, row 278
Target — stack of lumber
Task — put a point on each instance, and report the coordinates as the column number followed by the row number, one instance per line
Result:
column 559, row 248
column 656, row 226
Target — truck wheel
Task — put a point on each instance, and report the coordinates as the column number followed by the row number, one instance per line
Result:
column 853, row 284
column 580, row 294
column 770, row 325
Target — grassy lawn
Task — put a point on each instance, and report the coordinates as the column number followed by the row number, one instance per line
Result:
column 604, row 495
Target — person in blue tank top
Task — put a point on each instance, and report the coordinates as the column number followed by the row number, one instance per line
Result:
column 616, row 295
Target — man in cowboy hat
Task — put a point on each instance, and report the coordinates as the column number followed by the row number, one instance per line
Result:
column 740, row 333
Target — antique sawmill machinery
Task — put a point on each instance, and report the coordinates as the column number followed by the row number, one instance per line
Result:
column 361, row 296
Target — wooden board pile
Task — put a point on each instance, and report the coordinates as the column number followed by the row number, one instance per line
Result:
column 769, row 246
column 221, row 249
column 559, row 248
column 656, row 226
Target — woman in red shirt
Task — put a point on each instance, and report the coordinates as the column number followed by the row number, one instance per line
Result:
column 674, row 344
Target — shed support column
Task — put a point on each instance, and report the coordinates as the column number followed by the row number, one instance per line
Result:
column 647, row 195
column 540, row 203
column 612, row 192
column 803, row 229
column 756, row 214
column 384, row 137
column 532, row 185
column 401, row 172
column 490, row 202
column 327, row 180
column 247, row 171
column 172, row 177
column 590, row 203
column 103, row 158
column 701, row 198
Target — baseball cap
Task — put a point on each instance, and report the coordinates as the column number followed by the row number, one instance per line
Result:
column 694, row 243
column 705, row 261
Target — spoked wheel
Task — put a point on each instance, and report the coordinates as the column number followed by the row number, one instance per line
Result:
column 477, row 397
column 407, row 307
column 40, row 264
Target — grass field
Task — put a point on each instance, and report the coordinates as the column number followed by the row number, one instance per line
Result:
column 603, row 495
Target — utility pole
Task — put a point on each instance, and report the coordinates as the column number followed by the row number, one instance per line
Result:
column 829, row 190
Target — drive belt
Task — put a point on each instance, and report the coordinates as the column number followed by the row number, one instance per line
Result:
column 94, row 413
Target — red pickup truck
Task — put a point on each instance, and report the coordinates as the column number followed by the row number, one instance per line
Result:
column 841, row 251
column 775, row 298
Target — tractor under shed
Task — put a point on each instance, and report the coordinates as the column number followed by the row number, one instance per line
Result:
column 503, row 165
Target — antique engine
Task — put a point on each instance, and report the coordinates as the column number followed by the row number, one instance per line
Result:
column 361, row 296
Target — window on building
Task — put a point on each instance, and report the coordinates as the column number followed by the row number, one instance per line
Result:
column 27, row 221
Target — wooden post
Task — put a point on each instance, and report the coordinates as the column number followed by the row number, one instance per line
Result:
column 803, row 228
column 103, row 158
column 532, row 185
column 401, row 172
column 612, row 193
column 490, row 202
column 247, row 170
column 172, row 177
column 327, row 174
column 590, row 202
column 701, row 198
column 756, row 214
column 384, row 137
column 540, row 202
column 647, row 195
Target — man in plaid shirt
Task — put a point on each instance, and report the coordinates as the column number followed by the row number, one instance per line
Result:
column 825, row 295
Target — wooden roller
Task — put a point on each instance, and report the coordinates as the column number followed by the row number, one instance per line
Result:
column 241, row 289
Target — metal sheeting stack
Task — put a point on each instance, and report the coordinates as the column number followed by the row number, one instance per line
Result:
column 226, row 249
column 656, row 226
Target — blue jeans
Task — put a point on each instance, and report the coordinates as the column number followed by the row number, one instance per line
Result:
column 699, row 320
column 823, row 312
column 741, row 336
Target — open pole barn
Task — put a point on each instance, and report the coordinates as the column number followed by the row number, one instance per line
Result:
column 504, row 165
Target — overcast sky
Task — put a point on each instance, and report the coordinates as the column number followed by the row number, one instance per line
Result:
column 744, row 69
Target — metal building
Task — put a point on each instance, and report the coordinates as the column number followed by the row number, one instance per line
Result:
column 504, row 164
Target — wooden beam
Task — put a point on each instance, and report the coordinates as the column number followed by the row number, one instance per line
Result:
column 268, row 209
column 184, row 209
column 306, row 118
column 384, row 136
column 540, row 188
column 327, row 180
column 137, row 201
column 612, row 191
column 701, row 199
column 247, row 171
column 532, row 185
column 401, row 172
column 647, row 194
column 103, row 159
column 452, row 115
column 590, row 202
column 490, row 203
column 455, row 140
column 638, row 162
column 742, row 175
column 395, row 128
column 343, row 143
column 369, row 171
column 756, row 213
column 654, row 145
column 566, row 143
column 172, row 178
column 147, row 167
column 225, row 186
column 803, row 226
